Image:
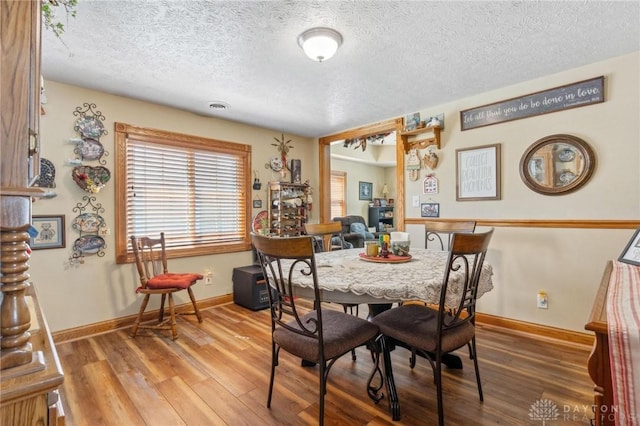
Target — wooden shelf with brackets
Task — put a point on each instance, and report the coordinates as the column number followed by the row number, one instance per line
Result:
column 411, row 139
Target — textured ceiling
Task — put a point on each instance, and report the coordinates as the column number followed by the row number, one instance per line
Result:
column 397, row 57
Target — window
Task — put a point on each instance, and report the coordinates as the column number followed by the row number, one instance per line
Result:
column 193, row 189
column 338, row 191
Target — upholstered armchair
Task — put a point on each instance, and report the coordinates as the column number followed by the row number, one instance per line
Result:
column 349, row 233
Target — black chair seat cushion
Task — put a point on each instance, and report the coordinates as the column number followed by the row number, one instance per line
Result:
column 416, row 325
column 341, row 332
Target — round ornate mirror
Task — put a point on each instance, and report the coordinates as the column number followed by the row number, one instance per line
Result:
column 557, row 164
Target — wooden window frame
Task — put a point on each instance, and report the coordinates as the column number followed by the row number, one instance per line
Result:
column 124, row 253
column 343, row 176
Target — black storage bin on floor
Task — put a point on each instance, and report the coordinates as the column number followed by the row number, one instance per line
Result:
column 250, row 288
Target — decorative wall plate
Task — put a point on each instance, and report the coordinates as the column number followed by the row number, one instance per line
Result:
column 89, row 244
column 567, row 176
column 88, row 222
column 566, row 155
column 47, row 174
column 89, row 149
column 89, row 126
column 91, row 179
column 259, row 222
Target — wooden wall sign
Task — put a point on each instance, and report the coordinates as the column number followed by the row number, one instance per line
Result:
column 569, row 96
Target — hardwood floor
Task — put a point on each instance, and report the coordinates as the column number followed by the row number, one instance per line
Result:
column 217, row 373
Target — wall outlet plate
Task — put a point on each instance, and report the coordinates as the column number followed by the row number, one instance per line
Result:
column 416, row 201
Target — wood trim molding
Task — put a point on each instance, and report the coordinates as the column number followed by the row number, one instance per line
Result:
column 122, row 322
column 542, row 223
column 537, row 329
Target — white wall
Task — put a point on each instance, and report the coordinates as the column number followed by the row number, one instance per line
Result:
column 567, row 263
column 101, row 290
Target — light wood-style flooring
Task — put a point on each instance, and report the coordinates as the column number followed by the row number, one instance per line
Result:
column 217, row 373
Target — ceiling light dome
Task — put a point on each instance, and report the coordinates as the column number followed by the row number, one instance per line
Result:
column 320, row 44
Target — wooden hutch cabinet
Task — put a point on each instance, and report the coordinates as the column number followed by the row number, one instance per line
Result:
column 30, row 371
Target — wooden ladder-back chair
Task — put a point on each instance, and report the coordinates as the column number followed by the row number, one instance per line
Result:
column 317, row 335
column 439, row 232
column 332, row 239
column 155, row 278
column 433, row 332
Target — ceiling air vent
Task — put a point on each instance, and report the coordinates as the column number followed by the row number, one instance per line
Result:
column 218, row 106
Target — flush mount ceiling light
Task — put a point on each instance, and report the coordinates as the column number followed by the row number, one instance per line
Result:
column 320, row 44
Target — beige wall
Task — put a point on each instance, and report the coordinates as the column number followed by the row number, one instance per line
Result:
column 357, row 172
column 567, row 263
column 100, row 289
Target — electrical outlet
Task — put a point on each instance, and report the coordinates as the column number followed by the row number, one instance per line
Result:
column 543, row 300
column 208, row 277
column 416, row 201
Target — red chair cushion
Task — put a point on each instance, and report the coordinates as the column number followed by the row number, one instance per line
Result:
column 173, row 280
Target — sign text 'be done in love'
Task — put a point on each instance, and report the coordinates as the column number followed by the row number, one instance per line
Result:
column 573, row 95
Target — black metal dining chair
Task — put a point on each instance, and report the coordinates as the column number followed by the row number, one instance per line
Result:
column 317, row 335
column 331, row 238
column 439, row 233
column 434, row 332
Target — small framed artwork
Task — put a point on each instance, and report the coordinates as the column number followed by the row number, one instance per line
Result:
column 257, row 204
column 390, row 201
column 365, row 191
column 411, row 121
column 631, row 253
column 50, row 230
column 430, row 210
column 478, row 173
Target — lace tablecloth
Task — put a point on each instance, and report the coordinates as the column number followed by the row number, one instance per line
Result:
column 344, row 277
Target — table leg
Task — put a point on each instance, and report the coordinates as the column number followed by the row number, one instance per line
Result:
column 394, row 403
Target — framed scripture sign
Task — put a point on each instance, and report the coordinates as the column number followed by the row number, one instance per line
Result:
column 478, row 173
column 631, row 253
column 50, row 232
column 574, row 95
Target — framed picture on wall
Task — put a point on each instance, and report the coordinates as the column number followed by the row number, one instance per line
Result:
column 430, row 210
column 478, row 173
column 631, row 253
column 365, row 191
column 50, row 232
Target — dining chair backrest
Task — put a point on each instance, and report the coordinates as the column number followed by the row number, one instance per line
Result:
column 437, row 234
column 330, row 233
column 150, row 256
column 466, row 256
column 280, row 278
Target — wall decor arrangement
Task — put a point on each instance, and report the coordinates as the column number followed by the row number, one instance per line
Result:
column 430, row 185
column 90, row 128
column 50, row 232
column 478, row 173
column 279, row 163
column 574, row 95
column 90, row 224
column 365, row 191
column 88, row 148
column 430, row 209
